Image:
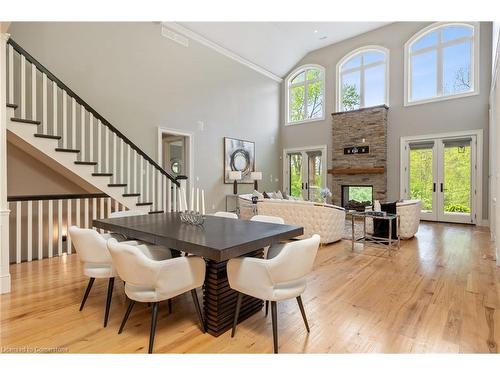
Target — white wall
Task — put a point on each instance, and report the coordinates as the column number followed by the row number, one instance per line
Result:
column 438, row 117
column 139, row 81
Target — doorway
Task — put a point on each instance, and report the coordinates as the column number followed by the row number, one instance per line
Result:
column 442, row 172
column 174, row 152
column 304, row 172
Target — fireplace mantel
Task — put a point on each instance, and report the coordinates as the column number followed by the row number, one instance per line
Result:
column 372, row 170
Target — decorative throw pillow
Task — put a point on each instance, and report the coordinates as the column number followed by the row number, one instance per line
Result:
column 257, row 194
column 278, row 195
column 285, row 195
column 266, row 195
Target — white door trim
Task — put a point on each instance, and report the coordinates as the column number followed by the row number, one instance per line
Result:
column 190, row 136
column 478, row 197
column 322, row 148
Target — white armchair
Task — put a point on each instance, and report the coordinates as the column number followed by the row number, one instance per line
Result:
column 280, row 278
column 148, row 280
column 409, row 217
column 227, row 215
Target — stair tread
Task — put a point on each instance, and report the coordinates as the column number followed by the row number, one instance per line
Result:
column 61, row 149
column 156, row 212
column 131, row 195
column 10, row 105
column 79, row 162
column 102, row 174
column 117, row 185
column 26, row 121
column 49, row 136
column 144, row 203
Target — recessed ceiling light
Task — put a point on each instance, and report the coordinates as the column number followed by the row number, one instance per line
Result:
column 315, row 31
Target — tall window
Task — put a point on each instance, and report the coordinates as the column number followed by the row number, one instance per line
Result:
column 306, row 94
column 362, row 79
column 441, row 62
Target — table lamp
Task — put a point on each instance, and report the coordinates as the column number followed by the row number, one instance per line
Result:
column 235, row 176
column 256, row 176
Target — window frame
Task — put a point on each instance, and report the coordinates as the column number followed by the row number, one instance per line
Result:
column 475, row 40
column 361, row 69
column 305, row 83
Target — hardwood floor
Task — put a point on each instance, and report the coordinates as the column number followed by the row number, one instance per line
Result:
column 440, row 293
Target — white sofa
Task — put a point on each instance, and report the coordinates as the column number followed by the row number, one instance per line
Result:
column 317, row 218
column 409, row 215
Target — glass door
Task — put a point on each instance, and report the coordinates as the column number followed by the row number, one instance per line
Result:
column 305, row 174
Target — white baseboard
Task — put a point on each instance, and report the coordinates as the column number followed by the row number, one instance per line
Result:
column 5, row 284
column 484, row 223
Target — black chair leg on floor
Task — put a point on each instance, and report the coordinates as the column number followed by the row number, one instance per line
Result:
column 302, row 311
column 198, row 309
column 87, row 291
column 125, row 318
column 237, row 313
column 111, row 283
column 267, row 307
column 170, row 306
column 154, row 316
column 274, row 315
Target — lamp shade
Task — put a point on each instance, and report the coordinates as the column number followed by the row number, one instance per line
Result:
column 256, row 176
column 235, row 175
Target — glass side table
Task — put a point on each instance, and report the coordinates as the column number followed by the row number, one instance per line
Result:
column 373, row 239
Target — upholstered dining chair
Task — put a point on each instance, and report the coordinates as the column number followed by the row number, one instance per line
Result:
column 148, row 280
column 97, row 264
column 228, row 215
column 269, row 251
column 277, row 279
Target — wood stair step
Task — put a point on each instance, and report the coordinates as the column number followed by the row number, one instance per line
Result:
column 155, row 212
column 78, row 162
column 60, row 149
column 11, row 105
column 131, row 195
column 49, row 136
column 25, row 121
column 144, row 204
column 117, row 185
column 102, row 174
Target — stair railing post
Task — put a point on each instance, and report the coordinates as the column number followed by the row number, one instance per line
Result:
column 4, row 206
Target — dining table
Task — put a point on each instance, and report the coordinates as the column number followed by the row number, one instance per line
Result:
column 217, row 240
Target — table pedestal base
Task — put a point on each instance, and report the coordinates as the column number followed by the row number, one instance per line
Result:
column 219, row 300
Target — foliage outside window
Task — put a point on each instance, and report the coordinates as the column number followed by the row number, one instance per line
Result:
column 306, row 95
column 362, row 79
column 441, row 62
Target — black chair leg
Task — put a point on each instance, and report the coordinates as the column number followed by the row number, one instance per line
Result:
column 154, row 316
column 170, row 306
column 237, row 313
column 125, row 318
column 274, row 315
column 87, row 291
column 111, row 283
column 198, row 309
column 302, row 311
column 267, row 307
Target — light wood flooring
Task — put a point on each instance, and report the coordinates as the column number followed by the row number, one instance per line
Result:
column 440, row 293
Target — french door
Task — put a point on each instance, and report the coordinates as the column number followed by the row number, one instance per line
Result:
column 304, row 172
column 441, row 172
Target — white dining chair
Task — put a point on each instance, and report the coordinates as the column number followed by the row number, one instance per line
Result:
column 151, row 281
column 269, row 251
column 228, row 215
column 280, row 278
column 97, row 264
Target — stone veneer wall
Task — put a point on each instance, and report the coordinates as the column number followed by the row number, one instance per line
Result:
column 349, row 129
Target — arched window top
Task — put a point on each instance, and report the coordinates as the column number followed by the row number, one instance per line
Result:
column 362, row 78
column 441, row 61
column 306, row 94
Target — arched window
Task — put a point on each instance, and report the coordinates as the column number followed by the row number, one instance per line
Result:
column 441, row 61
column 306, row 94
column 362, row 78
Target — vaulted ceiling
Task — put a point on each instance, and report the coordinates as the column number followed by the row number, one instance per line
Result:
column 277, row 46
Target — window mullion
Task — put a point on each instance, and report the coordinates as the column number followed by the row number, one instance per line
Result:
column 305, row 100
column 362, row 87
column 439, row 81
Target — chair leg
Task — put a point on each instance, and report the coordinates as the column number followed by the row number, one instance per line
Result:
column 302, row 311
column 87, row 291
column 170, row 306
column 267, row 307
column 198, row 309
column 154, row 316
column 125, row 318
column 274, row 315
column 111, row 283
column 237, row 313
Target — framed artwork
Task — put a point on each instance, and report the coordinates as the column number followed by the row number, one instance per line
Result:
column 239, row 155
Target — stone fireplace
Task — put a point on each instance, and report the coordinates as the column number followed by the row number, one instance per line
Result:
column 359, row 152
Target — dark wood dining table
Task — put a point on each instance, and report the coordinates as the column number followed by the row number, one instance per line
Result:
column 217, row 240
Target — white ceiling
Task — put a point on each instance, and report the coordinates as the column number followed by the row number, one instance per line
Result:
column 277, row 46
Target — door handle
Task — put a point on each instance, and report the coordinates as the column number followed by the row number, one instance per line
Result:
column 441, row 187
column 307, row 186
column 434, row 187
column 302, row 186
